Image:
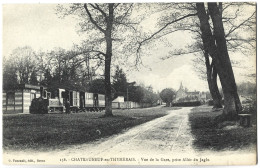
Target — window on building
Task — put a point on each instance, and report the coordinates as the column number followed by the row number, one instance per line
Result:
column 10, row 98
column 75, row 98
column 48, row 95
column 33, row 96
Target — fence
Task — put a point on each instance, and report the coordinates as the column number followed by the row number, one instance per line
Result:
column 131, row 105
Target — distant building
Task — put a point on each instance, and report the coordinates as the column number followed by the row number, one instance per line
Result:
column 119, row 99
column 118, row 102
column 183, row 95
column 180, row 93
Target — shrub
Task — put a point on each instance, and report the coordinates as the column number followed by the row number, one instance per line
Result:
column 167, row 95
column 39, row 106
column 210, row 103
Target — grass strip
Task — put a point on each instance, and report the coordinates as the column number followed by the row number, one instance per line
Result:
column 211, row 132
column 57, row 131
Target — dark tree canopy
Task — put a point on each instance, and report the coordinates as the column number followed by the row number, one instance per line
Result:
column 120, row 82
column 97, row 86
column 167, row 95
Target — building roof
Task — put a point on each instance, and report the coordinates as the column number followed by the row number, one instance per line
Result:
column 181, row 87
column 119, row 99
column 25, row 86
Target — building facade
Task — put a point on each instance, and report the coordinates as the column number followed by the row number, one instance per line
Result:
column 18, row 99
column 183, row 95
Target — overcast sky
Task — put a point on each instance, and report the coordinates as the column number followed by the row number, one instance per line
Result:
column 38, row 26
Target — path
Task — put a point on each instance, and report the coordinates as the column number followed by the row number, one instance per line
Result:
column 168, row 134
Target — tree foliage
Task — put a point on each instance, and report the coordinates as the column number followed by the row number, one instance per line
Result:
column 97, row 86
column 23, row 61
column 208, row 24
column 103, row 24
column 130, row 90
column 120, row 84
column 167, row 95
column 9, row 74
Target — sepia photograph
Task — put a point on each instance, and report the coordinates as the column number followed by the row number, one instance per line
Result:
column 131, row 83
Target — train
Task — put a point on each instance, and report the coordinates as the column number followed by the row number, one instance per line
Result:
column 27, row 98
column 65, row 100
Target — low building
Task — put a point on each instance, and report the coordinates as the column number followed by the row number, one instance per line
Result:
column 18, row 98
column 118, row 102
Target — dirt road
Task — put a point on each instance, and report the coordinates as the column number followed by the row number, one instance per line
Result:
column 168, row 134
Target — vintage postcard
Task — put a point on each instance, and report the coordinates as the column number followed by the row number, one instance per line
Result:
column 129, row 83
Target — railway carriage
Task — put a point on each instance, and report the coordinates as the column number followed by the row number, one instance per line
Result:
column 102, row 100
column 42, row 100
column 74, row 99
column 79, row 101
column 92, row 101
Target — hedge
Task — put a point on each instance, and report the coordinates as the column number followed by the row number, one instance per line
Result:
column 187, row 104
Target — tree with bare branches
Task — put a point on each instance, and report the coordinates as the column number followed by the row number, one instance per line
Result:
column 104, row 24
column 212, row 32
column 24, row 62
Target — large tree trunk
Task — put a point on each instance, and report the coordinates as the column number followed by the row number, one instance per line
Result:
column 216, row 46
column 212, row 81
column 231, row 88
column 108, row 102
column 215, row 90
column 167, row 104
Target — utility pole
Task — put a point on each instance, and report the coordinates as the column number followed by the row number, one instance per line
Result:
column 127, row 97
